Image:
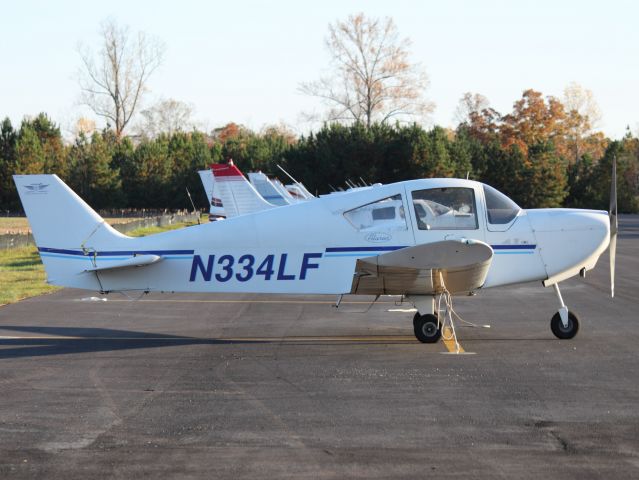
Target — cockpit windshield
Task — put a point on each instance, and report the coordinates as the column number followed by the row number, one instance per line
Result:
column 501, row 209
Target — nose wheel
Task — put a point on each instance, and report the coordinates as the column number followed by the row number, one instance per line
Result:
column 564, row 331
column 564, row 324
column 427, row 328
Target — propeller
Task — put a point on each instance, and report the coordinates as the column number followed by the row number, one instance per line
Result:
column 612, row 214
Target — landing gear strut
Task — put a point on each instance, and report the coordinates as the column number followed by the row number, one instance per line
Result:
column 564, row 324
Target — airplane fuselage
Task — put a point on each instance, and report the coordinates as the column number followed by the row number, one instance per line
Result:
column 312, row 247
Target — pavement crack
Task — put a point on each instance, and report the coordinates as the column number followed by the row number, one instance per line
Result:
column 565, row 446
column 549, row 428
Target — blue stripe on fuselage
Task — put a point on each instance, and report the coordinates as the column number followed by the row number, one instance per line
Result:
column 114, row 253
column 363, row 249
column 513, row 247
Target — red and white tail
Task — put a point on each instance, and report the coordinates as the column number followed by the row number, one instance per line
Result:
column 238, row 196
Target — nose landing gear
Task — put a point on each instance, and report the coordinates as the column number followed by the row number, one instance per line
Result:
column 564, row 331
column 564, row 324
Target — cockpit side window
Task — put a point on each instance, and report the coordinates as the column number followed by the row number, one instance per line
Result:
column 385, row 214
column 500, row 209
column 445, row 209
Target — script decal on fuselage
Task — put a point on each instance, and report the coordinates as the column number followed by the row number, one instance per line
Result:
column 223, row 268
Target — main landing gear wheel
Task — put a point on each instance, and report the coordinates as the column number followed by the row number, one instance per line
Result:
column 426, row 328
column 561, row 332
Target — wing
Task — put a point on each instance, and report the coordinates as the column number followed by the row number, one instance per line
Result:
column 459, row 265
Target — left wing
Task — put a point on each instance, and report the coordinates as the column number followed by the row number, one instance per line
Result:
column 458, row 265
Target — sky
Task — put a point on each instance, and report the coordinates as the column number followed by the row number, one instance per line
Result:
column 243, row 61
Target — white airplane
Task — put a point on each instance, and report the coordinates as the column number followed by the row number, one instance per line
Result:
column 419, row 238
column 216, row 211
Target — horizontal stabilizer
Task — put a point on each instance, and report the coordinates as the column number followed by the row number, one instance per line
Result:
column 426, row 269
column 137, row 261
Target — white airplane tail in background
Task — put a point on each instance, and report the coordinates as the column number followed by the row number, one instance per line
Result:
column 238, row 195
column 284, row 192
column 267, row 189
column 216, row 209
column 207, row 182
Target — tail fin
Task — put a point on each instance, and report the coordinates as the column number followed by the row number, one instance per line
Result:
column 207, row 182
column 64, row 226
column 59, row 218
column 211, row 188
column 285, row 193
column 307, row 195
column 298, row 191
column 238, row 195
column 267, row 189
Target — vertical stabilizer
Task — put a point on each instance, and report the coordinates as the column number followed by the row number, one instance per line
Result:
column 65, row 229
column 216, row 208
column 59, row 218
column 267, row 189
column 285, row 193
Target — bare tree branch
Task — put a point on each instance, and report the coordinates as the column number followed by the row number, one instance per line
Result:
column 166, row 116
column 114, row 80
column 372, row 79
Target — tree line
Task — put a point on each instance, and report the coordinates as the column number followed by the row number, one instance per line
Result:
column 541, row 154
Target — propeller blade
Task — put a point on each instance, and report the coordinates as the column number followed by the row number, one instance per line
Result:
column 614, row 227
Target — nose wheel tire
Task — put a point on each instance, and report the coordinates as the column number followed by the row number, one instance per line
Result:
column 426, row 328
column 567, row 332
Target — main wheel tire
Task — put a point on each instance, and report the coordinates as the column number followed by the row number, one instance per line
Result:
column 426, row 328
column 561, row 332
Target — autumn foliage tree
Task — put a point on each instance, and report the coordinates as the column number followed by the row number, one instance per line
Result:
column 582, row 117
column 534, row 120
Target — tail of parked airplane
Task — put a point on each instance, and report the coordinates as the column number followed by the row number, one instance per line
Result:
column 267, row 189
column 285, row 193
column 63, row 225
column 216, row 210
column 238, row 195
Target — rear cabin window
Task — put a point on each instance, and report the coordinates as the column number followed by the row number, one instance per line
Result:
column 445, row 209
column 385, row 214
column 500, row 209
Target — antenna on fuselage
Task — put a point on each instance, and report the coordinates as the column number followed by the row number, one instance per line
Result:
column 288, row 175
column 192, row 204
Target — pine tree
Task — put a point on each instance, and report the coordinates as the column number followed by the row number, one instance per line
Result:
column 8, row 140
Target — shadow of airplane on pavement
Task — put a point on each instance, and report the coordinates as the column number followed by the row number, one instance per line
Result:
column 44, row 341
